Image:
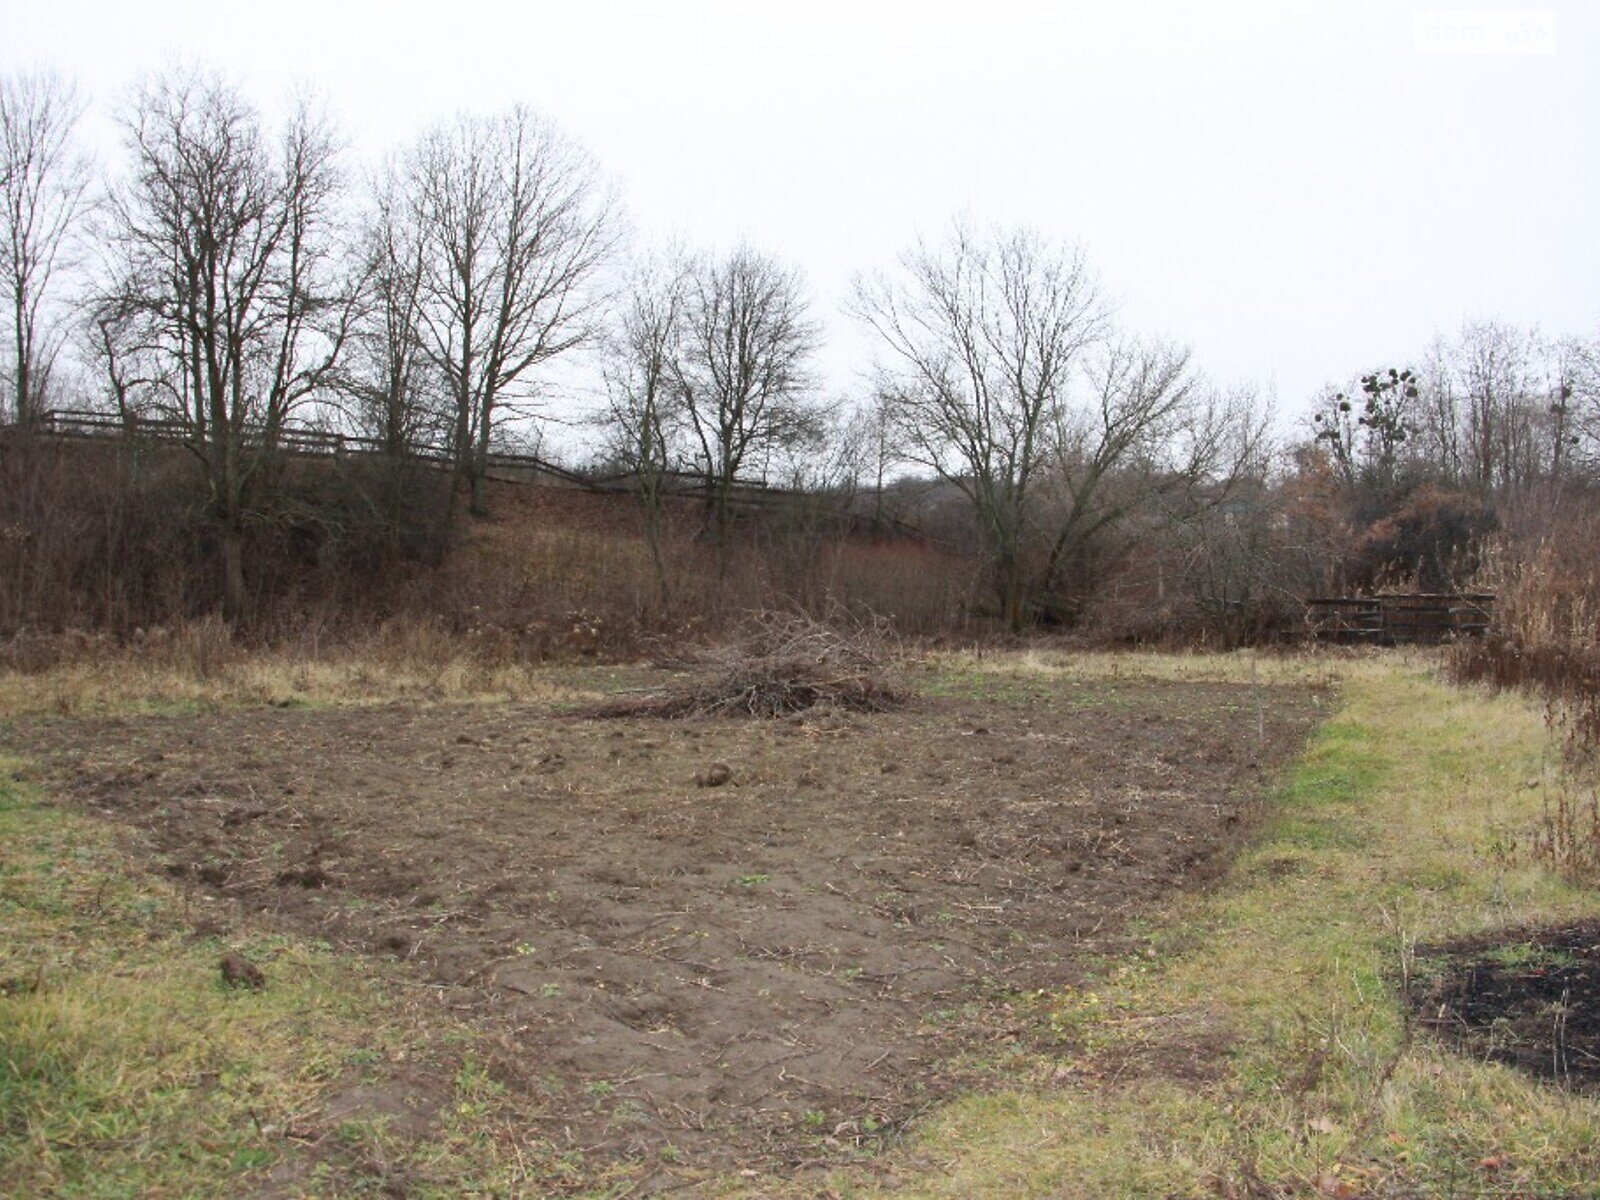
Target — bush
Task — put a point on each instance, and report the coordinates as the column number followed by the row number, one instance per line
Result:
column 1545, row 632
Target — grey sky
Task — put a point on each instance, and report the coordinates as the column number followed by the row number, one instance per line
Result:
column 1294, row 189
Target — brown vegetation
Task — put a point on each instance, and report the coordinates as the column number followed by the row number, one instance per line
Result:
column 1545, row 635
column 107, row 546
column 1545, row 639
column 781, row 664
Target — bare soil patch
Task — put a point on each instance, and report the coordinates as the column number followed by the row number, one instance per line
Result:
column 1529, row 998
column 779, row 967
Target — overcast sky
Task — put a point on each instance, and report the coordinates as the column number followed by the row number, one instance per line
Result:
column 1300, row 191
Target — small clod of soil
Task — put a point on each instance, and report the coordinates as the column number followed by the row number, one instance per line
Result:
column 1528, row 998
column 307, row 877
column 238, row 971
column 715, row 775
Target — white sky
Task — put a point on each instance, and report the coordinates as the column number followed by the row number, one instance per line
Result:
column 1294, row 189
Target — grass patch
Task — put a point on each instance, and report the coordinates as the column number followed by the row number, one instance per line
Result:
column 1313, row 665
column 129, row 1068
column 1258, row 1045
column 290, row 678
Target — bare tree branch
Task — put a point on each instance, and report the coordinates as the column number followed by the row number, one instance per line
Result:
column 515, row 227
column 984, row 334
column 227, row 299
column 44, row 192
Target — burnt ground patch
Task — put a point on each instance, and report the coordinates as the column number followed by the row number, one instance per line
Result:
column 776, row 969
column 1529, row 998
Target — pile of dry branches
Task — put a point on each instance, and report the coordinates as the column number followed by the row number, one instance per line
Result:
column 784, row 663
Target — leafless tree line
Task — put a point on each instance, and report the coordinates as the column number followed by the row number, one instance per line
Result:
column 1494, row 408
column 241, row 281
column 242, row 277
column 44, row 190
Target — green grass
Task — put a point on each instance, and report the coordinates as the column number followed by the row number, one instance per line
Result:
column 1257, row 1044
column 128, row 1068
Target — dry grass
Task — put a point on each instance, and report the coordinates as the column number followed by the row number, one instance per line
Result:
column 775, row 662
column 201, row 665
column 1314, row 665
column 1544, row 640
column 1544, row 636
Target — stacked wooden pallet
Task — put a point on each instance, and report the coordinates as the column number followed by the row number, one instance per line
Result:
column 1407, row 618
column 1346, row 620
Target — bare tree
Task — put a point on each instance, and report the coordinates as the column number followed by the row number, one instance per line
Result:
column 984, row 335
column 1366, row 435
column 515, row 226
column 387, row 369
column 44, row 190
column 227, row 303
column 643, row 414
column 394, row 391
column 741, row 373
column 1575, row 408
column 1482, row 405
column 1237, row 568
column 865, row 440
column 1153, row 440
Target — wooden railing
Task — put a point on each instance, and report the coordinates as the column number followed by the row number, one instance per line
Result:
column 303, row 439
column 289, row 439
column 509, row 466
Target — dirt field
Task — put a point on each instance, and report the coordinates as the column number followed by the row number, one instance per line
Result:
column 775, row 966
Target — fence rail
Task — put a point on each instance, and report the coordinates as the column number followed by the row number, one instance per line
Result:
column 291, row 439
column 505, row 465
column 303, row 439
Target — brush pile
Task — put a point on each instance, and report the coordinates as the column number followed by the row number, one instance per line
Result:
column 784, row 663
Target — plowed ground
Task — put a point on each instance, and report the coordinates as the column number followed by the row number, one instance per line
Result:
column 793, row 962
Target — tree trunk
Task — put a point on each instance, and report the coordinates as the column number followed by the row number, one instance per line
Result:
column 652, row 537
column 461, row 469
column 233, row 595
column 23, row 377
column 722, row 526
column 1012, row 609
column 1016, row 614
column 396, row 478
column 479, row 506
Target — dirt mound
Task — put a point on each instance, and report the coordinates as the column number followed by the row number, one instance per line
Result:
column 1529, row 998
column 781, row 664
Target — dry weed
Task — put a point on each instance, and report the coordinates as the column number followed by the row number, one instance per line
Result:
column 783, row 663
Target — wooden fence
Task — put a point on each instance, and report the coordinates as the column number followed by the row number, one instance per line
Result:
column 299, row 439
column 289, row 439
column 507, row 466
column 1411, row 618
